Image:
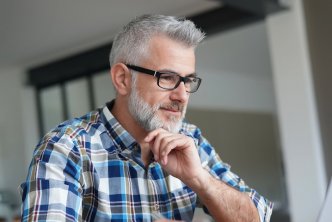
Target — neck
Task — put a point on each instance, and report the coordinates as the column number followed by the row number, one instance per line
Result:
column 121, row 113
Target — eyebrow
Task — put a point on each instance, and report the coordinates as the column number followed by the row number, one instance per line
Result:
column 194, row 74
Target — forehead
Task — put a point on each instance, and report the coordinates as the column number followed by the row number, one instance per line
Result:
column 166, row 53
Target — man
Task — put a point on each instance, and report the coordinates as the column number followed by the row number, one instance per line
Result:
column 135, row 159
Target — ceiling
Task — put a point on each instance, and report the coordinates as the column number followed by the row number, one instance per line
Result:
column 37, row 31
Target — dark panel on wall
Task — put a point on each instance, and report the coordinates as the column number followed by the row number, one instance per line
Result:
column 84, row 63
column 231, row 15
column 258, row 7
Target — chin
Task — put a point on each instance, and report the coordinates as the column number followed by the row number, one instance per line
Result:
column 171, row 123
column 173, row 127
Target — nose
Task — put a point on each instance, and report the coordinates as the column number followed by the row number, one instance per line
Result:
column 179, row 93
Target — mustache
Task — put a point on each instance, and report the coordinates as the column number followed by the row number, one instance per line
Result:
column 173, row 106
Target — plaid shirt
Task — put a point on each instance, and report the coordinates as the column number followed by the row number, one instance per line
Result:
column 90, row 169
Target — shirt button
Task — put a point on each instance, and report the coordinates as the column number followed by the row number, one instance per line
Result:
column 156, row 207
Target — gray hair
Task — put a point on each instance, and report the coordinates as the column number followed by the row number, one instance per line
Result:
column 131, row 43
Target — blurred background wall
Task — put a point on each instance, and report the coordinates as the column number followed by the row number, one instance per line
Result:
column 262, row 85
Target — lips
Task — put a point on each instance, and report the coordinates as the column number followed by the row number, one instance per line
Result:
column 173, row 107
column 171, row 110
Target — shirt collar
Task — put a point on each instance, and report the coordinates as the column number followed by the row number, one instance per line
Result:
column 117, row 132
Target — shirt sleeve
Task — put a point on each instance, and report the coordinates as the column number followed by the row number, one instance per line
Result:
column 52, row 191
column 220, row 170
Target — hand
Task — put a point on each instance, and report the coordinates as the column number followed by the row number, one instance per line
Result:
column 166, row 220
column 177, row 154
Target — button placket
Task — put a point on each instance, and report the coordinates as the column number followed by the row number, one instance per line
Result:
column 153, row 191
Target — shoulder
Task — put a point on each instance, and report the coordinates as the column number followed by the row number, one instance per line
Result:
column 191, row 130
column 204, row 146
column 86, row 125
column 72, row 133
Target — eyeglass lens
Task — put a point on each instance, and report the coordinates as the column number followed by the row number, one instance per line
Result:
column 171, row 81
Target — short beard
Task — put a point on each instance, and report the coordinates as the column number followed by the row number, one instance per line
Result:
column 147, row 116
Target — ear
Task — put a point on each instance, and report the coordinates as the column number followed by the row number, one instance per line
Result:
column 121, row 78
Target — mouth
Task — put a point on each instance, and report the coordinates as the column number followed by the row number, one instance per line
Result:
column 172, row 109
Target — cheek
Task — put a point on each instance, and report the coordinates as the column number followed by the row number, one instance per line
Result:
column 147, row 86
column 156, row 98
column 153, row 96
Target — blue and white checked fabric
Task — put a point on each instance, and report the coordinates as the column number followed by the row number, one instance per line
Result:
column 90, row 169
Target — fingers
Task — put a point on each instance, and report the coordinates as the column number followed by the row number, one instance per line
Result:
column 153, row 134
column 152, row 139
column 162, row 143
column 159, row 142
column 169, row 144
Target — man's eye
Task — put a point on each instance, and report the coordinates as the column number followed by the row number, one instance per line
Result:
column 168, row 77
column 190, row 80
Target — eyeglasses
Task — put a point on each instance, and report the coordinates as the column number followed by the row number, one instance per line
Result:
column 170, row 80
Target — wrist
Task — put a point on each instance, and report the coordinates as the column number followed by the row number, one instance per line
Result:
column 200, row 181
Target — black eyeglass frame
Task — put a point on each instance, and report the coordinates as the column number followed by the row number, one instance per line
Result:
column 157, row 74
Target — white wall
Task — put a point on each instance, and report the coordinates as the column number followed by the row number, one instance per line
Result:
column 236, row 71
column 29, row 123
column 299, row 130
column 12, row 155
column 2, row 175
column 230, row 91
